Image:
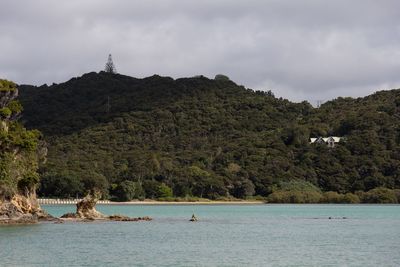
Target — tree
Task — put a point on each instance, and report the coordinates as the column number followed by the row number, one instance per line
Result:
column 18, row 148
column 221, row 77
column 164, row 191
column 110, row 68
column 128, row 190
column 63, row 185
column 93, row 181
column 243, row 188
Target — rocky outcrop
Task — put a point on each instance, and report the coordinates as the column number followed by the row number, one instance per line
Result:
column 19, row 158
column 86, row 208
column 22, row 209
column 86, row 211
column 12, row 214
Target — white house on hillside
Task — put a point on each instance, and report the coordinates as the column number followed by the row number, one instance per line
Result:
column 330, row 141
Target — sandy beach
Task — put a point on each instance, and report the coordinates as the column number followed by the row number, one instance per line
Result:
column 155, row 202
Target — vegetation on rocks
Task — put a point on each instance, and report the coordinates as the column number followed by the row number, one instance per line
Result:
column 19, row 156
column 18, row 147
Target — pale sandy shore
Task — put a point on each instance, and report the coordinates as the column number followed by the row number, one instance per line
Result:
column 154, row 202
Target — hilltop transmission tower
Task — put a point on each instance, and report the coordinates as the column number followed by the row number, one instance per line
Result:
column 110, row 67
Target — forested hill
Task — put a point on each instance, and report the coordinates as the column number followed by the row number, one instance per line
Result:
column 99, row 98
column 158, row 137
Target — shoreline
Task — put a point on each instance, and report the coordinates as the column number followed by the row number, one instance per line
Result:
column 149, row 202
column 216, row 202
column 157, row 202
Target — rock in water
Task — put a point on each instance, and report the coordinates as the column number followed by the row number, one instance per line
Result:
column 85, row 211
column 86, row 208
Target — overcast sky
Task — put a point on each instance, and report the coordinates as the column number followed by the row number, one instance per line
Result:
column 299, row 49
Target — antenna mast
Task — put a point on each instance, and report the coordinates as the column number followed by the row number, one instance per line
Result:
column 110, row 67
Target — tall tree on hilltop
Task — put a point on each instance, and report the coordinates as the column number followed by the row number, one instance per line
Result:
column 110, row 68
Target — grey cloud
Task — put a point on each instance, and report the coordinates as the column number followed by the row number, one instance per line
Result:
column 303, row 49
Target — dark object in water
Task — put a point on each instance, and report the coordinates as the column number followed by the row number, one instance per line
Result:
column 193, row 219
column 338, row 218
column 122, row 218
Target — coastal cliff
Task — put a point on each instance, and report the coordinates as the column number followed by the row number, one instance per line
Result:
column 20, row 152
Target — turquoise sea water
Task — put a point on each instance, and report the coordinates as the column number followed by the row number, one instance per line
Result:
column 226, row 235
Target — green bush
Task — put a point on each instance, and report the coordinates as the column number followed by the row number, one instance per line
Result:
column 28, row 182
column 182, row 199
column 125, row 191
column 397, row 193
column 7, row 85
column 151, row 188
column 169, row 199
column 295, row 191
column 351, row 198
column 95, row 181
column 7, row 190
column 380, row 195
column 5, row 113
column 243, row 188
column 361, row 195
column 63, row 185
column 164, row 191
column 256, row 198
column 29, row 139
column 294, row 197
column 15, row 107
column 332, row 197
column 221, row 77
column 298, row 185
column 3, row 135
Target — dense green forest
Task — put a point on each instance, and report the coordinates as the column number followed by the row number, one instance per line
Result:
column 210, row 138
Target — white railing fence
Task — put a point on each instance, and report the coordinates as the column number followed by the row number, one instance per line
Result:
column 53, row 201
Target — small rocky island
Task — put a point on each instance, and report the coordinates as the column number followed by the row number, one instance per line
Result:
column 86, row 211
